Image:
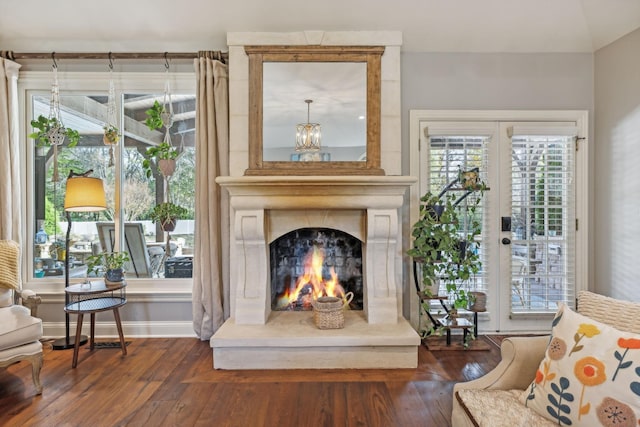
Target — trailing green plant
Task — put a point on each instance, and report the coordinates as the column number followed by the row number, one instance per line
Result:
column 446, row 241
column 154, row 116
column 163, row 151
column 43, row 126
column 106, row 260
column 167, row 211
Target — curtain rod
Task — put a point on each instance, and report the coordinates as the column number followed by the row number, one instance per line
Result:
column 115, row 55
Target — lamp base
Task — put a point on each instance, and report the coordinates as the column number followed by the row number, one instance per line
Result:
column 65, row 344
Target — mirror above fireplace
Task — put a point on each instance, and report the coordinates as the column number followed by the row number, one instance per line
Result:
column 343, row 84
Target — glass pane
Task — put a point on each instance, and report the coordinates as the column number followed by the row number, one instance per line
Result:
column 169, row 253
column 81, row 114
column 542, row 221
column 153, row 252
column 448, row 155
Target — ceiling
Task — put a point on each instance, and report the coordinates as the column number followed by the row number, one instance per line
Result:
column 426, row 25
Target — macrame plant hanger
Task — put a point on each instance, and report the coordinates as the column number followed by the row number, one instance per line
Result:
column 111, row 131
column 167, row 117
column 56, row 133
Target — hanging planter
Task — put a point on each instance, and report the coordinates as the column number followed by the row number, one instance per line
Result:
column 167, row 166
column 50, row 131
column 111, row 135
column 169, row 225
column 164, row 151
column 166, row 214
column 111, row 131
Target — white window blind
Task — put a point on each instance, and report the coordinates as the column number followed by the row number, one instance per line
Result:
column 543, row 216
column 449, row 152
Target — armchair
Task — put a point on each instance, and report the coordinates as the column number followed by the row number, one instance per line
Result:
column 20, row 330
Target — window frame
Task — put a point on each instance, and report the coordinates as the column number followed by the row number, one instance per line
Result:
column 70, row 83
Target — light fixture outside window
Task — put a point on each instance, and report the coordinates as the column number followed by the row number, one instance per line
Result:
column 308, row 134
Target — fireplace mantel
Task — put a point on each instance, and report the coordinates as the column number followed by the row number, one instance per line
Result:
column 321, row 192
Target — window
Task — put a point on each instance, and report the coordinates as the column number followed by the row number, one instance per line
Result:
column 131, row 193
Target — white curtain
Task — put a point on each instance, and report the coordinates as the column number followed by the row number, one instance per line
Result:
column 210, row 273
column 10, row 191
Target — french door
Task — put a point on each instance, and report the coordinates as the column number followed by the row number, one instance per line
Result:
column 533, row 164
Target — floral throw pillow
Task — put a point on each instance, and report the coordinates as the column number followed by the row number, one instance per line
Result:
column 590, row 375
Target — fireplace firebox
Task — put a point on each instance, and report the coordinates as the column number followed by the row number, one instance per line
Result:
column 309, row 263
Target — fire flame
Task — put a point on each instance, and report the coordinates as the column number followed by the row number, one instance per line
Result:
column 311, row 284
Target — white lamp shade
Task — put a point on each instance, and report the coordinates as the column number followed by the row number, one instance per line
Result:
column 84, row 194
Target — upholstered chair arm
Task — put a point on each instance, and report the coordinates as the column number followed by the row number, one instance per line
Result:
column 521, row 357
column 29, row 299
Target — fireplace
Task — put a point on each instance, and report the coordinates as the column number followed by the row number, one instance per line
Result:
column 309, row 263
column 266, row 210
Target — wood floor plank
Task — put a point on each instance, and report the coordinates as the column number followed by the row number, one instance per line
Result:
column 171, row 382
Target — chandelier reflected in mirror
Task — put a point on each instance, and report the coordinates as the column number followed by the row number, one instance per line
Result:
column 308, row 134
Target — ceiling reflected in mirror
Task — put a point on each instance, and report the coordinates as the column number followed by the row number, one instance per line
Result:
column 339, row 94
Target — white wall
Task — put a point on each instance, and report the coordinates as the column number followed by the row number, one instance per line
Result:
column 617, row 153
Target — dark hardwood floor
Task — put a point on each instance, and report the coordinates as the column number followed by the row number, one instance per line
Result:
column 171, row 382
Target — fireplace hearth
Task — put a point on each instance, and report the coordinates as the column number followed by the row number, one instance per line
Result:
column 267, row 208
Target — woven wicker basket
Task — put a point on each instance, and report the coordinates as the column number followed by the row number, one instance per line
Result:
column 328, row 313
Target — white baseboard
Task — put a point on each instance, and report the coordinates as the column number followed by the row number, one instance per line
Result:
column 107, row 329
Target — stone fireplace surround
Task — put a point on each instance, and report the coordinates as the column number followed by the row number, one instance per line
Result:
column 266, row 207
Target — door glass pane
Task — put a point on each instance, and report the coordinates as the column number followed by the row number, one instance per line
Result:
column 543, row 222
column 448, row 155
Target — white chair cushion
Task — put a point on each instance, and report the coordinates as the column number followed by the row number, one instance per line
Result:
column 6, row 297
column 18, row 327
column 499, row 408
column 21, row 351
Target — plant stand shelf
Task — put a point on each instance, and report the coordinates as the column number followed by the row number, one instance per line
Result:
column 459, row 323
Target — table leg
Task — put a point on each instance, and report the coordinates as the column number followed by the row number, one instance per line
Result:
column 116, row 314
column 475, row 324
column 77, row 342
column 448, row 336
column 93, row 331
column 464, row 336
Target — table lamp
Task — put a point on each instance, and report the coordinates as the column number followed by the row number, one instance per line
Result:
column 83, row 194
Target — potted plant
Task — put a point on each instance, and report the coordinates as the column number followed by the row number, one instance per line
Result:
column 48, row 128
column 158, row 116
column 112, row 262
column 166, row 214
column 111, row 135
column 165, row 155
column 446, row 242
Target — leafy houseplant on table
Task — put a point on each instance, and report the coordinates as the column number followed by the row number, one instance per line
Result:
column 166, row 214
column 113, row 263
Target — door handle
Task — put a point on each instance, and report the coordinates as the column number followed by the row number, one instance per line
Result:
column 506, row 241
